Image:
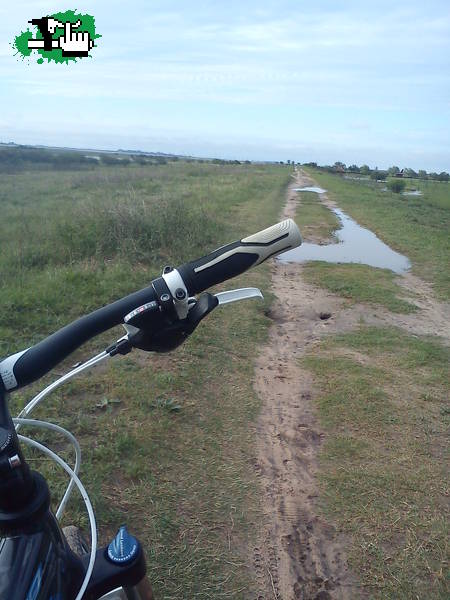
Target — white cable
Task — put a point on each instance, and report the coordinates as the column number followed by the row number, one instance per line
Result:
column 87, row 502
column 37, row 399
column 73, row 440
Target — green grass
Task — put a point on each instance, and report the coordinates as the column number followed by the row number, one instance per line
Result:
column 316, row 221
column 181, row 478
column 360, row 283
column 85, row 238
column 417, row 226
column 383, row 400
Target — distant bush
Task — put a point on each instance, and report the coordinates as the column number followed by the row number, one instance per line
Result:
column 443, row 176
column 378, row 175
column 396, row 185
column 69, row 160
column 141, row 160
column 115, row 160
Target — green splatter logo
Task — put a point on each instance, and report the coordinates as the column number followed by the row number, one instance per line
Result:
column 62, row 37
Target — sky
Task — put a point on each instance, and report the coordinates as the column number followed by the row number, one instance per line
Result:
column 360, row 82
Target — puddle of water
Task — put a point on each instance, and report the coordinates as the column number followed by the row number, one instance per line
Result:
column 313, row 188
column 355, row 245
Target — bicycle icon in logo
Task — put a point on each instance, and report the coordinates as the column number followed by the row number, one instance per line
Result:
column 61, row 37
column 71, row 43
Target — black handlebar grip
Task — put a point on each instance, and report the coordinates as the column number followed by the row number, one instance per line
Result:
column 24, row 367
column 235, row 258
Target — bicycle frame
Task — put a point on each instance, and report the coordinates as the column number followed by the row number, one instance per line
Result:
column 39, row 565
column 36, row 562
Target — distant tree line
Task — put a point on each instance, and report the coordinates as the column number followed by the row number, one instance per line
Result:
column 379, row 174
column 23, row 157
column 112, row 160
column 17, row 158
column 221, row 161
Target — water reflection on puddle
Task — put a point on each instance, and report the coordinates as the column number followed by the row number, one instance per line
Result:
column 356, row 245
column 313, row 188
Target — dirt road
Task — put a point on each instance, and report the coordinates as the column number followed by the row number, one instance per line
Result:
column 299, row 555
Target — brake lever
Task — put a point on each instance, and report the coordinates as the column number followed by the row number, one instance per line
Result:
column 171, row 335
column 239, row 294
column 167, row 337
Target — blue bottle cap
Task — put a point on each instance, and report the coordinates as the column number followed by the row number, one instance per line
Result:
column 124, row 547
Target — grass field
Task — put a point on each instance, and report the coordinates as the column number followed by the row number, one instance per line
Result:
column 417, row 226
column 360, row 283
column 384, row 405
column 165, row 438
column 383, row 402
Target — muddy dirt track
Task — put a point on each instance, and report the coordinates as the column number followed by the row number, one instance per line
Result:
column 299, row 556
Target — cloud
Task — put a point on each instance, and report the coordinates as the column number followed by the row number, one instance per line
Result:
column 293, row 71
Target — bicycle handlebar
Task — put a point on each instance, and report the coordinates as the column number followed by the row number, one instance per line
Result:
column 235, row 258
column 226, row 262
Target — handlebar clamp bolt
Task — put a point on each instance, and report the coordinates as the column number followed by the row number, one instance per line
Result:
column 165, row 298
column 180, row 294
column 15, row 461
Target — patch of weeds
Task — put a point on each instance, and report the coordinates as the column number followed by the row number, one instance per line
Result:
column 107, row 402
column 360, row 283
column 314, row 219
column 169, row 404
